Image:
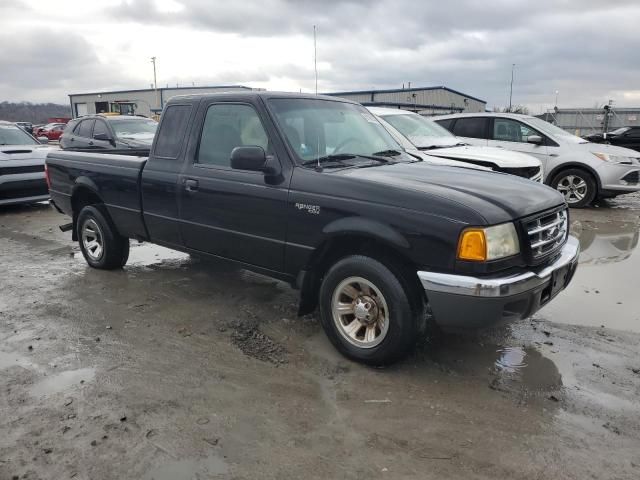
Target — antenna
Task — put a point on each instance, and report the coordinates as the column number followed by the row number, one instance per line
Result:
column 315, row 57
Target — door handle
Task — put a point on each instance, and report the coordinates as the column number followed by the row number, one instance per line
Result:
column 191, row 185
column 90, row 143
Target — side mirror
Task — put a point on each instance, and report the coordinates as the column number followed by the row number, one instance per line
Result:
column 249, row 158
column 43, row 140
column 102, row 136
column 535, row 139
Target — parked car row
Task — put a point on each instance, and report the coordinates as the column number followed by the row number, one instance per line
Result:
column 582, row 171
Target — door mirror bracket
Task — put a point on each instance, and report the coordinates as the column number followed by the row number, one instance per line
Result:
column 535, row 139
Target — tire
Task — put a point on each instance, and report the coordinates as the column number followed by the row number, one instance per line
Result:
column 358, row 286
column 101, row 244
column 578, row 187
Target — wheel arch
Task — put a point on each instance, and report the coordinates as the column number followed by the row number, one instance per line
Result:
column 580, row 166
column 83, row 193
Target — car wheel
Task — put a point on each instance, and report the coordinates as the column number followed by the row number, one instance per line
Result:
column 578, row 187
column 366, row 311
column 101, row 244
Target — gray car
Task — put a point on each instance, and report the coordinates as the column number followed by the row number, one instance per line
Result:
column 582, row 171
column 22, row 157
column 109, row 132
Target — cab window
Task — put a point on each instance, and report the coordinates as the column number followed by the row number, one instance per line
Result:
column 227, row 126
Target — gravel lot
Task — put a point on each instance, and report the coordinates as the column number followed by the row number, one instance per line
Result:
column 175, row 368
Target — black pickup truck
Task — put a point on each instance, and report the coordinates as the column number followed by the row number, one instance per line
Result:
column 314, row 191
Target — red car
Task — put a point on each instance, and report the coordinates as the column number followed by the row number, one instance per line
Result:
column 53, row 131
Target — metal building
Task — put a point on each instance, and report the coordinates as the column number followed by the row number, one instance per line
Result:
column 424, row 100
column 146, row 101
column 584, row 121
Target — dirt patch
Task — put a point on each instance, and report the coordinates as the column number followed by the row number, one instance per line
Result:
column 254, row 343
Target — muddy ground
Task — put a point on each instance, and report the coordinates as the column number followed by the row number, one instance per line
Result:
column 175, row 368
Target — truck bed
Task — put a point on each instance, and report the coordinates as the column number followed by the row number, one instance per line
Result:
column 114, row 178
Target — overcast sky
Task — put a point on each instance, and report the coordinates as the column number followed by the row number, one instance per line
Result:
column 588, row 50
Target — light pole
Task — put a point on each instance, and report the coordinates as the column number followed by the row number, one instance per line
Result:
column 155, row 82
column 556, row 104
column 513, row 66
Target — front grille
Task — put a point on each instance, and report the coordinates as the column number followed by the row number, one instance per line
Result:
column 25, row 169
column 546, row 233
column 524, row 172
column 632, row 177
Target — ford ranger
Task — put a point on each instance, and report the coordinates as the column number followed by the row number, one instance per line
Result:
column 314, row 191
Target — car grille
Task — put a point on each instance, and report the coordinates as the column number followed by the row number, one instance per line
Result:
column 25, row 169
column 546, row 233
column 525, row 172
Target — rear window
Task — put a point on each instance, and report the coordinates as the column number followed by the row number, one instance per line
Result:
column 84, row 130
column 473, row 127
column 173, row 126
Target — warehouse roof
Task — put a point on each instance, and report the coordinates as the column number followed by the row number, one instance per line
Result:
column 217, row 87
column 414, row 89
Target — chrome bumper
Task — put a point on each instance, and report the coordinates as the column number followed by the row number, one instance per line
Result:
column 463, row 301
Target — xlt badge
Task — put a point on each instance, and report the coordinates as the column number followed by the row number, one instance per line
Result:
column 312, row 209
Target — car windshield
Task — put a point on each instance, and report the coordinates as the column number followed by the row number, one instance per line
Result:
column 553, row 131
column 12, row 135
column 419, row 130
column 619, row 131
column 323, row 128
column 134, row 127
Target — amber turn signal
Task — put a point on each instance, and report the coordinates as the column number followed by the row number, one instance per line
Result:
column 472, row 245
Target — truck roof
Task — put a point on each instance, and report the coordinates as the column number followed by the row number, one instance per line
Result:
column 256, row 94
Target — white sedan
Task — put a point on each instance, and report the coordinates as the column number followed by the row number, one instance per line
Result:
column 426, row 139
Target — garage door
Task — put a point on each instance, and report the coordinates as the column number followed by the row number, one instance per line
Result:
column 81, row 109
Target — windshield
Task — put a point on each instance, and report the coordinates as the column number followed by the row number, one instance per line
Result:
column 321, row 128
column 619, row 131
column 419, row 130
column 12, row 135
column 127, row 128
column 553, row 131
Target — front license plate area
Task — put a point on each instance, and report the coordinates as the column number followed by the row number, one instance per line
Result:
column 558, row 281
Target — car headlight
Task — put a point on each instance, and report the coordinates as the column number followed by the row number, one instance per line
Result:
column 613, row 158
column 489, row 243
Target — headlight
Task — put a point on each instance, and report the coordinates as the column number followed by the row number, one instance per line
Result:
column 613, row 158
column 490, row 243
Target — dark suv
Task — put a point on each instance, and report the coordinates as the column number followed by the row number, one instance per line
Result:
column 109, row 132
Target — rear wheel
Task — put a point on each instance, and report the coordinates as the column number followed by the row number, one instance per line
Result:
column 101, row 244
column 578, row 187
column 366, row 310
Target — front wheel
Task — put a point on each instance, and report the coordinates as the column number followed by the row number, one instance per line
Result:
column 101, row 244
column 578, row 187
column 366, row 310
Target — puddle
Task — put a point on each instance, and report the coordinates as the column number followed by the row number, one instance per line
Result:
column 511, row 359
column 62, row 381
column 604, row 290
column 8, row 360
column 146, row 254
column 188, row 469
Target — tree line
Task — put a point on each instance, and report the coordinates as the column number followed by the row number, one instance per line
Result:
column 32, row 112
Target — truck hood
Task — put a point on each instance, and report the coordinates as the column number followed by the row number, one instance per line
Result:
column 498, row 156
column 495, row 197
column 24, row 152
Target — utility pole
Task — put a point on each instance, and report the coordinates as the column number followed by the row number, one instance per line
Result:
column 513, row 66
column 315, row 57
column 556, row 98
column 155, row 81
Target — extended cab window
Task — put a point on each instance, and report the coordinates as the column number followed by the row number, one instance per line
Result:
column 227, row 126
column 472, row 127
column 507, row 130
column 172, row 129
column 84, row 130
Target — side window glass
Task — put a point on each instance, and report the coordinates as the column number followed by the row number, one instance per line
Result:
column 173, row 126
column 227, row 127
column 507, row 130
column 634, row 133
column 472, row 127
column 85, row 128
column 100, row 128
column 446, row 123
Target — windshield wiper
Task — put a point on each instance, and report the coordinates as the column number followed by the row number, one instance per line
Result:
column 387, row 153
column 335, row 157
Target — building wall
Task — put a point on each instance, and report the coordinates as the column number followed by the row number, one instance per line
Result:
column 441, row 97
column 145, row 100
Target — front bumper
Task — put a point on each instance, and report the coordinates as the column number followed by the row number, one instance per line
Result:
column 619, row 178
column 464, row 302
